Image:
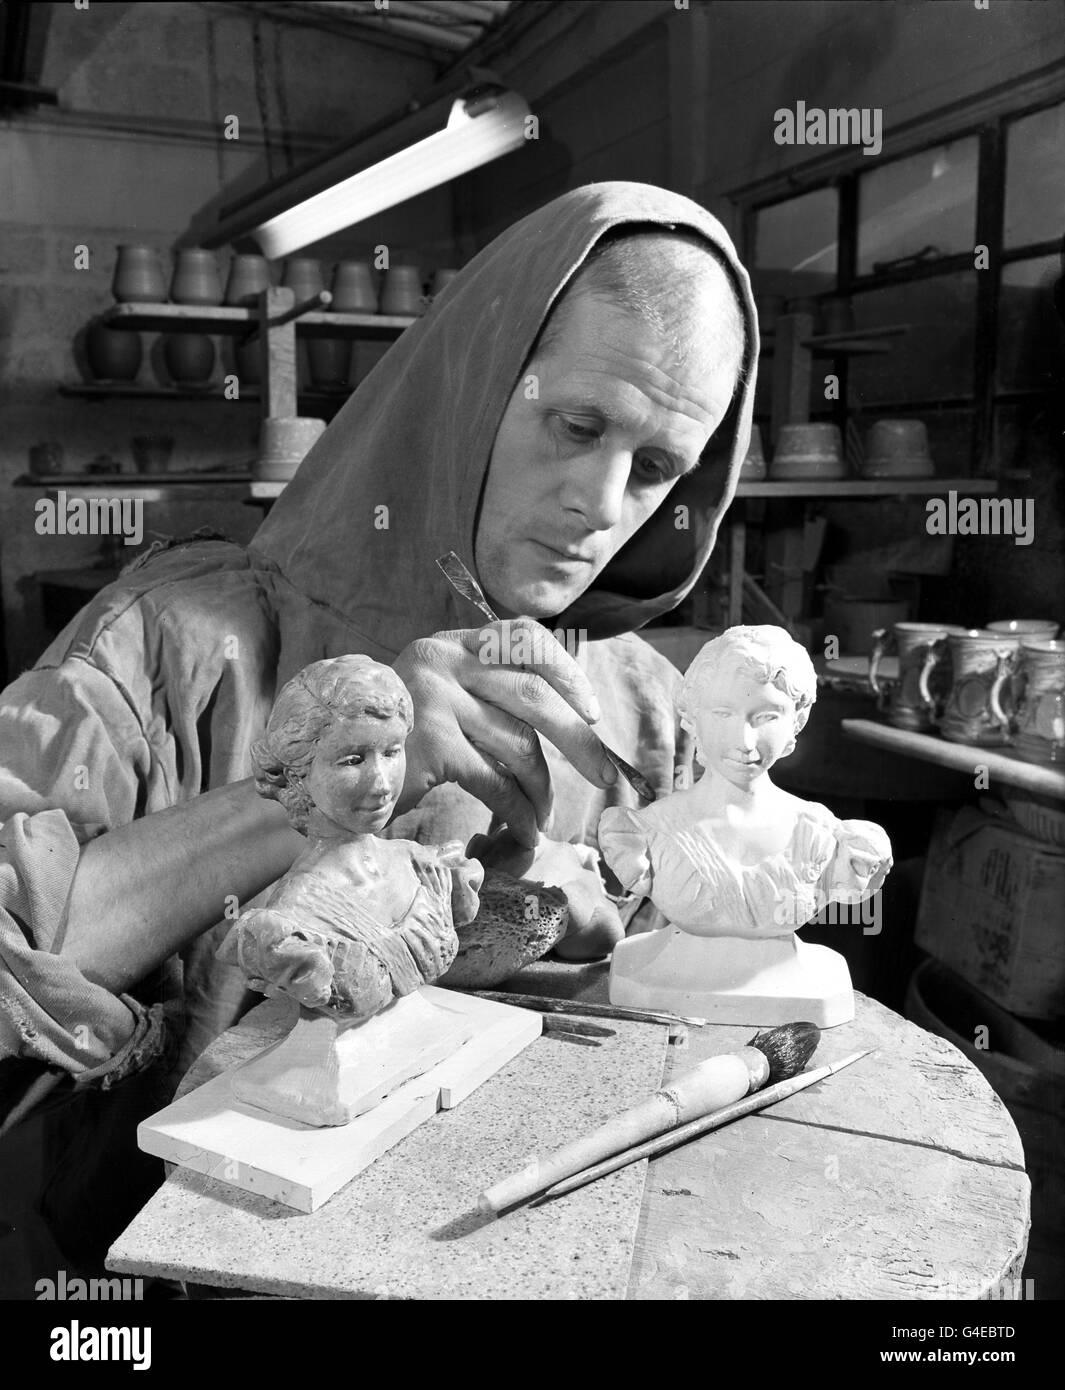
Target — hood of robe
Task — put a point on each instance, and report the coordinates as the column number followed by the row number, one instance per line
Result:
column 397, row 478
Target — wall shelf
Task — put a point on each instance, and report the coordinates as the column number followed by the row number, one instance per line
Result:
column 131, row 390
column 867, row 487
column 1003, row 765
column 194, row 318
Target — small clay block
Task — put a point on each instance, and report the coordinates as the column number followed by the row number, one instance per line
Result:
column 519, row 921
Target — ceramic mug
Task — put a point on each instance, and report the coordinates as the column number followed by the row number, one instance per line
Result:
column 979, row 706
column 1040, row 713
column 910, row 702
column 1026, row 629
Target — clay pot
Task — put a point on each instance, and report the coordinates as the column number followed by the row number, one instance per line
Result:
column 303, row 276
column 284, row 441
column 440, row 279
column 402, row 291
column 330, row 362
column 897, row 449
column 195, row 278
column 811, row 451
column 138, row 276
column 248, row 277
column 112, row 355
column 189, row 357
column 354, row 291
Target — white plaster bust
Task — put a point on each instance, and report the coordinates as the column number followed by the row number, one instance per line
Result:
column 733, row 856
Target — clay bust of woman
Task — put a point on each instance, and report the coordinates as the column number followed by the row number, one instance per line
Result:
column 734, row 855
column 357, row 921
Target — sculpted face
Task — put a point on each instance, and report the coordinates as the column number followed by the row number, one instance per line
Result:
column 615, row 421
column 358, row 771
column 744, row 726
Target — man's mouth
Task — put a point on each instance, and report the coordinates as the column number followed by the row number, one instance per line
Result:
column 573, row 555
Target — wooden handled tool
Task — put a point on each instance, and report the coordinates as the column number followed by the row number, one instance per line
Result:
column 769, row 1057
column 463, row 582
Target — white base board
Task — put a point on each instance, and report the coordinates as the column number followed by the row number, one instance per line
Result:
column 212, row 1132
column 727, row 979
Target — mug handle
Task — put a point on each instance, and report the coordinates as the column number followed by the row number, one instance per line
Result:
column 1003, row 671
column 881, row 637
column 935, row 651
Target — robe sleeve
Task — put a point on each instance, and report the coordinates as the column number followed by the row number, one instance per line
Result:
column 72, row 763
column 624, row 845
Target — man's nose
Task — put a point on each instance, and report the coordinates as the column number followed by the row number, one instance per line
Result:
column 598, row 486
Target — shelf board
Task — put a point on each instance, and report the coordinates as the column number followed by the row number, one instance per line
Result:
column 132, row 390
column 1003, row 765
column 869, row 487
column 196, row 318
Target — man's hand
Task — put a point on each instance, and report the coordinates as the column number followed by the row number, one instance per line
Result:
column 481, row 698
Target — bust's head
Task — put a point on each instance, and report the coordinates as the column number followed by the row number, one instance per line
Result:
column 335, row 742
column 746, row 697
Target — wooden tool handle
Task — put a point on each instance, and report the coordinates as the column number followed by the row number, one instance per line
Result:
column 705, row 1088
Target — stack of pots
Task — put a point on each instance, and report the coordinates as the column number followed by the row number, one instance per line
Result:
column 189, row 357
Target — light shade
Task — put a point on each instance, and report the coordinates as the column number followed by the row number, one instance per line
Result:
column 477, row 132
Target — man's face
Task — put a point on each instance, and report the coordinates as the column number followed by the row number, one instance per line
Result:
column 615, row 420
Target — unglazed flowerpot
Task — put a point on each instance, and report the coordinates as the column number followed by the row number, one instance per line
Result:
column 195, row 277
column 248, row 277
column 138, row 277
column 402, row 291
column 303, row 276
column 112, row 355
column 353, row 287
column 189, row 357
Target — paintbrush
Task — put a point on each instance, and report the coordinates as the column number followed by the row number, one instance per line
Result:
column 673, row 1138
column 463, row 582
column 770, row 1057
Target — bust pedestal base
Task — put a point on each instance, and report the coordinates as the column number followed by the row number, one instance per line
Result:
column 730, row 979
column 327, row 1071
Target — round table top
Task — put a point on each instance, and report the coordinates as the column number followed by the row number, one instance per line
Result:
column 900, row 1177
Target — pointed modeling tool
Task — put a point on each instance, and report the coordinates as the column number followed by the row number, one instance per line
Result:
column 463, row 582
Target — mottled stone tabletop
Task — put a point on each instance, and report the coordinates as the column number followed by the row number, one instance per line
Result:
column 900, row 1177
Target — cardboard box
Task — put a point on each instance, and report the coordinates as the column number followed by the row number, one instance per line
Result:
column 993, row 908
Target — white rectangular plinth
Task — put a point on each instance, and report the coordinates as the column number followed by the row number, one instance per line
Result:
column 301, row 1165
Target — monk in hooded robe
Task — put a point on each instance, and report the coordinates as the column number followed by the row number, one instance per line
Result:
column 126, row 747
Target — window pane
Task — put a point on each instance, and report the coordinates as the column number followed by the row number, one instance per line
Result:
column 934, row 360
column 1035, row 178
column 927, row 199
column 1031, row 336
column 795, row 245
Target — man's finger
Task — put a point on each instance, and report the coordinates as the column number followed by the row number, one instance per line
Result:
column 527, row 697
column 499, row 791
column 522, row 644
column 513, row 744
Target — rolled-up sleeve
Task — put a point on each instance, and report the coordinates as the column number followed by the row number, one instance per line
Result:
column 73, row 763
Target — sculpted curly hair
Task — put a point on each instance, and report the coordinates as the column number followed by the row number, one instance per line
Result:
column 350, row 687
column 768, row 653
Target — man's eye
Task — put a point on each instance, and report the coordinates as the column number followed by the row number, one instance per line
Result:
column 650, row 470
column 352, row 761
column 393, row 752
column 577, row 433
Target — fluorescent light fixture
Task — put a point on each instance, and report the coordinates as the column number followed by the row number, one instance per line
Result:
column 477, row 132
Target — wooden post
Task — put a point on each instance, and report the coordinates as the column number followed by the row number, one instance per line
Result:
column 277, row 347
